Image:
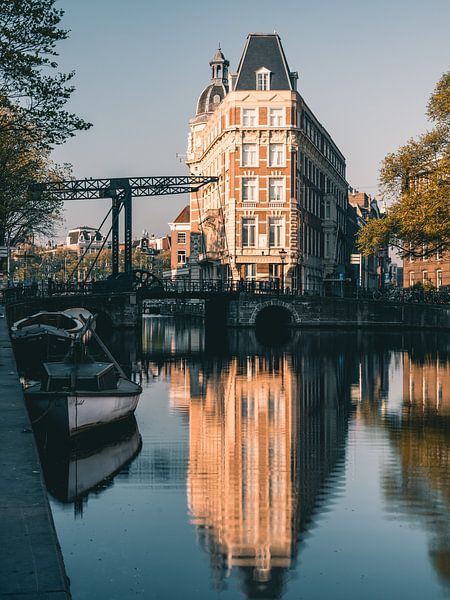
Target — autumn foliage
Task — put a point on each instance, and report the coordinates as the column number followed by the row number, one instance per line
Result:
column 415, row 181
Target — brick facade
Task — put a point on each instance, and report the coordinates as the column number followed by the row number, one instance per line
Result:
column 434, row 270
column 279, row 211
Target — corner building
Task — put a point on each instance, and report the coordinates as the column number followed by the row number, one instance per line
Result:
column 278, row 213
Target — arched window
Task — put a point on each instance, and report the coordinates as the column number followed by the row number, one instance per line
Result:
column 216, row 98
column 219, row 72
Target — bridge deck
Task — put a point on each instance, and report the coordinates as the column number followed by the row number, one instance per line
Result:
column 31, row 565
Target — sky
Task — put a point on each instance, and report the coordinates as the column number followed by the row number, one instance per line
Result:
column 366, row 69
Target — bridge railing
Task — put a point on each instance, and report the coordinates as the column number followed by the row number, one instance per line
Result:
column 44, row 288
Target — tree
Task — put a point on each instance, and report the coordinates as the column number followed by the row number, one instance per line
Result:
column 21, row 214
column 161, row 263
column 416, row 179
column 33, row 95
column 32, row 91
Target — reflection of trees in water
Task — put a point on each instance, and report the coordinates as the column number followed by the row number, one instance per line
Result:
column 418, row 485
column 266, row 432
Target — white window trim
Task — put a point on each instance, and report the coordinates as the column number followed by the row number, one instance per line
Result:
column 282, row 239
column 256, row 200
column 256, row 232
column 257, row 154
column 283, row 117
column 283, row 162
column 250, row 277
column 254, row 108
column 283, row 194
column 263, row 71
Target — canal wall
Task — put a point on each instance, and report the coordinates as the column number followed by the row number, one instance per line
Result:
column 31, row 564
column 117, row 310
column 174, row 307
column 339, row 312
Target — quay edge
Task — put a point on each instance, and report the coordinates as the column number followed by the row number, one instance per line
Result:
column 31, row 563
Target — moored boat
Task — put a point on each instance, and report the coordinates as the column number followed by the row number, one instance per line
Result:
column 68, row 320
column 78, row 396
column 48, row 335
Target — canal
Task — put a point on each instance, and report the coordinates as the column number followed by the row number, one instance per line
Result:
column 313, row 466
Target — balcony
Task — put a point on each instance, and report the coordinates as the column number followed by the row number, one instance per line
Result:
column 210, row 214
column 210, row 256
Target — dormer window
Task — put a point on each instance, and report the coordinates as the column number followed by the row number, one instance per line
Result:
column 263, row 79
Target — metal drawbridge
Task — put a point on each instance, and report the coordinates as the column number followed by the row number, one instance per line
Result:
column 121, row 191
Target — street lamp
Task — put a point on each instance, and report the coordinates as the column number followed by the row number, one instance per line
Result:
column 283, row 255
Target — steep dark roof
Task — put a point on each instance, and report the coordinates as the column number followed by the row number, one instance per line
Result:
column 263, row 50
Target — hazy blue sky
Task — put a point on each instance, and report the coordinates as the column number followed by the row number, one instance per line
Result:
column 366, row 69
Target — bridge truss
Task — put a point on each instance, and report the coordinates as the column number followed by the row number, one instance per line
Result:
column 121, row 191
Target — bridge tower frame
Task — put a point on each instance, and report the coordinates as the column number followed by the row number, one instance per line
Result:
column 121, row 190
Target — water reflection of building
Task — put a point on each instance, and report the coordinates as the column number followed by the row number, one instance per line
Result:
column 426, row 385
column 170, row 336
column 264, row 434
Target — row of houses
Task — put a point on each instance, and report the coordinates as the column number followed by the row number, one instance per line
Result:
column 282, row 211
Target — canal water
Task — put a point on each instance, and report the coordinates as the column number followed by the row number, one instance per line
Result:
column 313, row 466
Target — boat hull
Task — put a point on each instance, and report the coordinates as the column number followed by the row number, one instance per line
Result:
column 86, row 411
column 76, row 412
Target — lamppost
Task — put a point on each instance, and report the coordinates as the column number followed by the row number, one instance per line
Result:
column 283, row 255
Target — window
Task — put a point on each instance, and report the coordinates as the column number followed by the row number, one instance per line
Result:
column 327, row 209
column 327, row 245
column 181, row 257
column 276, row 189
column 249, row 189
column 263, row 80
column 248, row 232
column 249, row 155
column 276, row 155
column 274, row 271
column 438, row 254
column 411, row 279
column 438, row 278
column 250, row 272
column 181, row 237
column 276, row 117
column 276, row 232
column 249, row 117
column 424, row 276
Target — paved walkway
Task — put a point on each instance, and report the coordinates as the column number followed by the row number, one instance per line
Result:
column 31, row 565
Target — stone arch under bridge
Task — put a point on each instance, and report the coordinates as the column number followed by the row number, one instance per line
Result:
column 274, row 303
